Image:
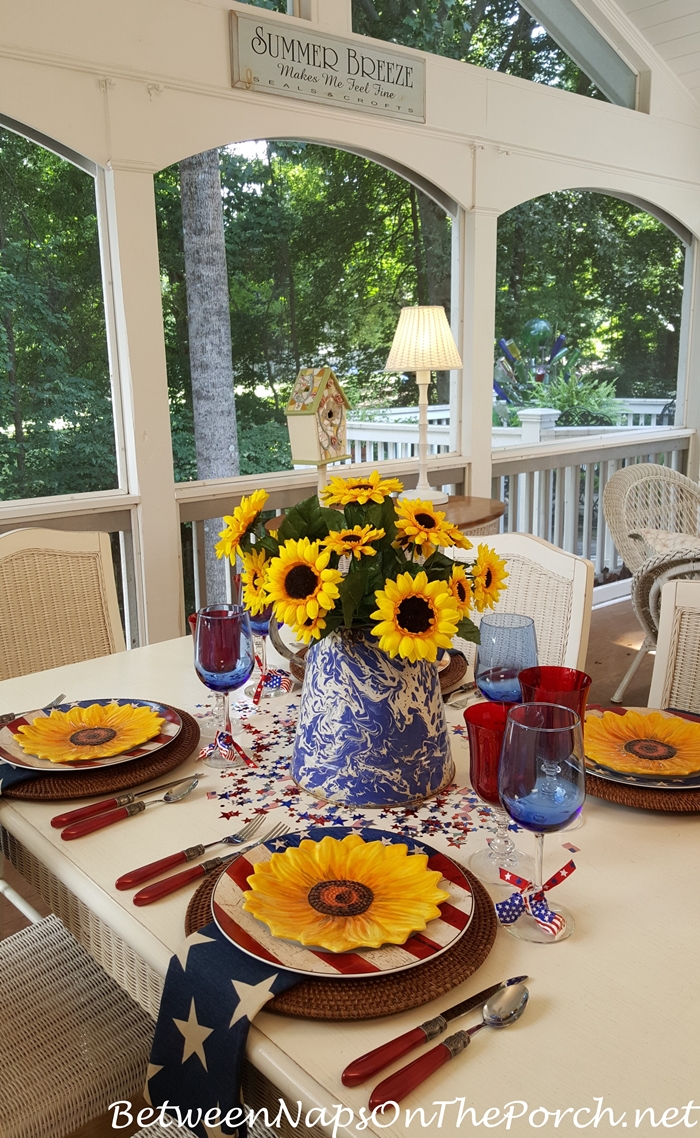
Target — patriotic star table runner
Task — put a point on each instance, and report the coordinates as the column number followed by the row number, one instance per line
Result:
column 12, row 776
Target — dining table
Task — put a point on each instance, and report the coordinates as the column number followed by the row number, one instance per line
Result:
column 610, row 1038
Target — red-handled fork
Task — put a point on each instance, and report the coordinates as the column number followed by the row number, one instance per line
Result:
column 144, row 872
column 171, row 884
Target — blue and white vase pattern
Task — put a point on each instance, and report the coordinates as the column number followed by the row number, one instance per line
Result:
column 372, row 730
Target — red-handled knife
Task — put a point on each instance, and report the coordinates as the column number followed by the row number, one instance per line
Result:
column 171, row 884
column 361, row 1069
column 60, row 820
column 501, row 1010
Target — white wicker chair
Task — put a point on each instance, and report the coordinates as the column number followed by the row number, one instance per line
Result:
column 71, row 1041
column 58, row 600
column 676, row 678
column 648, row 496
column 553, row 587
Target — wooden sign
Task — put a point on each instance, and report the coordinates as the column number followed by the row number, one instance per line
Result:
column 284, row 59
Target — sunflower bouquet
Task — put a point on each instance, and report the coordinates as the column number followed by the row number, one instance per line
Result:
column 364, row 560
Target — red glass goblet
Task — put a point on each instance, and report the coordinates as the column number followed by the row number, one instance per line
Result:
column 566, row 687
column 486, row 724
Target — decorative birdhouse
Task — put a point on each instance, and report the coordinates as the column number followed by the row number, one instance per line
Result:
column 316, row 418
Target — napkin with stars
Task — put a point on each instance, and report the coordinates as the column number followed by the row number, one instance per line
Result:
column 212, row 993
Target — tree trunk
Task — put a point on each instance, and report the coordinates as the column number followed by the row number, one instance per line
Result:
column 418, row 251
column 437, row 245
column 13, row 384
column 209, row 335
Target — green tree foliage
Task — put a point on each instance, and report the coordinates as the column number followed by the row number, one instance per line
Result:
column 606, row 274
column 56, row 429
column 323, row 249
column 497, row 34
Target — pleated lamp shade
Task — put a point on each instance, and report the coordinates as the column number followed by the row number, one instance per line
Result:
column 423, row 341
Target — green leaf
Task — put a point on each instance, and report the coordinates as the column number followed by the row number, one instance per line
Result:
column 468, row 630
column 352, row 590
column 307, row 519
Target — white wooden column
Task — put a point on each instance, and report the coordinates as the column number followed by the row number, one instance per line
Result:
column 474, row 307
column 688, row 390
column 130, row 225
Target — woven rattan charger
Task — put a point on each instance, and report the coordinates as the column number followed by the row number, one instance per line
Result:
column 60, row 787
column 643, row 798
column 378, row 995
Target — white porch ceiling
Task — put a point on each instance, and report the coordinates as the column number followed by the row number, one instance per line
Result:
column 672, row 27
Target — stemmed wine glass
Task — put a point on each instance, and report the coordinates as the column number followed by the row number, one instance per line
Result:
column 486, row 723
column 223, row 658
column 507, row 645
column 260, row 625
column 542, row 785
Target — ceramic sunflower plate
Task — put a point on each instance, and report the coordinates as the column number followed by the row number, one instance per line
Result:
column 641, row 746
column 308, row 899
column 128, row 736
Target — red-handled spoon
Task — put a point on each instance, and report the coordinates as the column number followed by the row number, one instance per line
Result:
column 89, row 825
column 500, row 1011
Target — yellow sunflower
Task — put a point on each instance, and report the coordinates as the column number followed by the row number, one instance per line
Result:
column 311, row 629
column 419, row 523
column 461, row 589
column 347, row 894
column 244, row 516
column 299, row 582
column 253, row 576
column 634, row 743
column 340, row 491
column 488, row 577
column 416, row 617
column 95, row 732
column 353, row 541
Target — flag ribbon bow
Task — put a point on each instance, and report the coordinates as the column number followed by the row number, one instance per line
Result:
column 274, row 679
column 227, row 747
column 527, row 900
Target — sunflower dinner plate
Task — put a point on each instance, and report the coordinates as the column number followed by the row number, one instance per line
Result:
column 640, row 746
column 316, row 898
column 102, row 732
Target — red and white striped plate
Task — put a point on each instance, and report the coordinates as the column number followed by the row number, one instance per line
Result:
column 254, row 938
column 11, row 752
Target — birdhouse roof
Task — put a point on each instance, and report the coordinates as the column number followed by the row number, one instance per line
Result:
column 308, row 390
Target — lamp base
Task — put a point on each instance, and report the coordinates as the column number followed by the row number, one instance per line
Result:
column 425, row 494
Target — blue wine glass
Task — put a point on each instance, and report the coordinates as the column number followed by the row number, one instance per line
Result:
column 223, row 657
column 507, row 645
column 260, row 625
column 542, row 785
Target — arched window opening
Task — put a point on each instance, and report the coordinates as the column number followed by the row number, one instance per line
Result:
column 321, row 249
column 56, row 417
column 606, row 275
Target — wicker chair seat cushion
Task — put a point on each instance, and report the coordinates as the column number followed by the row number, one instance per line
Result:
column 71, row 1041
column 659, row 541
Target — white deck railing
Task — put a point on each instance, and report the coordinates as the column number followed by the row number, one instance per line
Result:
column 554, row 490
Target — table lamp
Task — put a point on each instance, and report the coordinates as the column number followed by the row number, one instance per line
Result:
column 422, row 343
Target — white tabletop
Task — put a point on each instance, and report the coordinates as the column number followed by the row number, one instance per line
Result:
column 614, row 1010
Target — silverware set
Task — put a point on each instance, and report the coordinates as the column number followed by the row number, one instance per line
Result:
column 501, row 1005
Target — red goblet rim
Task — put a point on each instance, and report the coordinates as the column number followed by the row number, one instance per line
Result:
column 553, row 679
column 488, row 716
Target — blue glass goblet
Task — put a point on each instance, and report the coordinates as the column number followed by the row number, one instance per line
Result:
column 223, row 657
column 507, row 645
column 260, row 625
column 542, row 785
